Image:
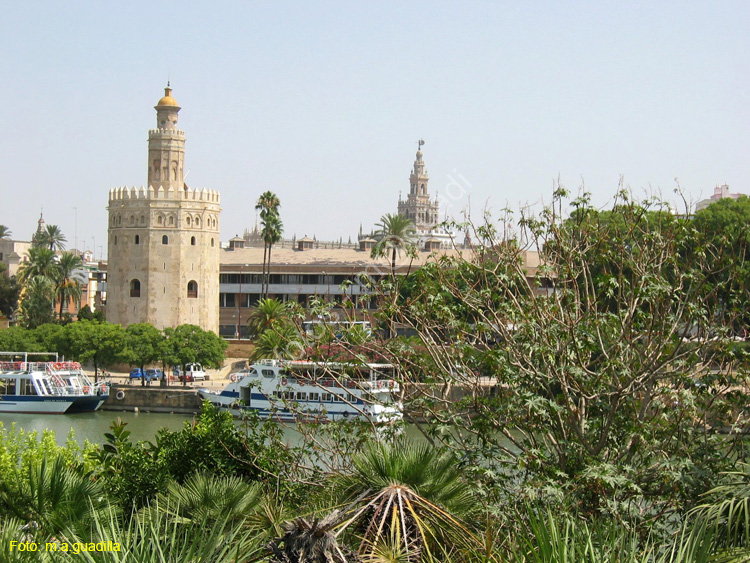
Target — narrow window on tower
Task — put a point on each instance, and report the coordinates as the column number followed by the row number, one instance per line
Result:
column 192, row 241
column 165, row 239
column 192, row 289
column 212, row 242
column 138, row 239
column 135, row 288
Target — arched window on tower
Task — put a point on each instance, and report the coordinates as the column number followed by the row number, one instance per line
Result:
column 165, row 239
column 171, row 220
column 160, row 220
column 115, row 240
column 138, row 239
column 135, row 288
column 188, row 221
column 192, row 241
column 212, row 242
column 192, row 289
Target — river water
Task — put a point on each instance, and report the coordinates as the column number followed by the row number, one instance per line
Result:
column 92, row 426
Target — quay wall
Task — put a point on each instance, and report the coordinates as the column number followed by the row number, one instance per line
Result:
column 174, row 399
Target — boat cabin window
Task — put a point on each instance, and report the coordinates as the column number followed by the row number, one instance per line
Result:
column 301, row 396
column 337, row 398
column 27, row 387
column 246, row 394
column 268, row 373
column 327, row 397
column 8, row 386
column 288, row 395
column 314, row 396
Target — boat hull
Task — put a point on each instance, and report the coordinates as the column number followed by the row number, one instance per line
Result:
column 34, row 405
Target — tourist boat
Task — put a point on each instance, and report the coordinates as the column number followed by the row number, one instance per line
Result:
column 312, row 391
column 48, row 388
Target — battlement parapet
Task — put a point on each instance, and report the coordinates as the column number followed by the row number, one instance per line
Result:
column 162, row 193
column 172, row 132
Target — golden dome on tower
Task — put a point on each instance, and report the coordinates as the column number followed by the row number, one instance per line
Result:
column 167, row 100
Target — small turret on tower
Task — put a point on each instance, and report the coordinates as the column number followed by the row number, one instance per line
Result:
column 166, row 146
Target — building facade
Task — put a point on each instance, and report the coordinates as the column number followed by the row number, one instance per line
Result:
column 163, row 246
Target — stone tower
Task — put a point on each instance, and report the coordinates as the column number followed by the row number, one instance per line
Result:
column 418, row 206
column 163, row 248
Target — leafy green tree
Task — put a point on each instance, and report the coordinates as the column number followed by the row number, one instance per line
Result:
column 143, row 345
column 86, row 314
column 51, row 237
column 267, row 314
column 19, row 339
column 189, row 344
column 395, row 234
column 37, row 301
column 577, row 374
column 69, row 278
column 93, row 341
column 724, row 226
column 4, row 232
column 42, row 262
column 282, row 341
column 9, row 293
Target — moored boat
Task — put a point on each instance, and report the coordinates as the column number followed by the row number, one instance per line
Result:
column 48, row 387
column 317, row 391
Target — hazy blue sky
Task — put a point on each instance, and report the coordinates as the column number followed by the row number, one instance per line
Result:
column 323, row 102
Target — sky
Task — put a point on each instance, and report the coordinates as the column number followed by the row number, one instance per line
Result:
column 323, row 103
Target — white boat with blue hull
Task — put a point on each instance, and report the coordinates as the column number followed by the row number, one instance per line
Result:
column 296, row 390
column 47, row 387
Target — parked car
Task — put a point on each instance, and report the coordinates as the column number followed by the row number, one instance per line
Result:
column 192, row 372
column 151, row 374
column 154, row 375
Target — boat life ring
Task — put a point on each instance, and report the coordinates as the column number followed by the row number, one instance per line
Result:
column 104, row 388
column 346, row 414
column 233, row 377
column 86, row 389
column 350, row 384
column 57, row 366
column 380, row 384
column 120, row 395
column 391, row 383
column 284, row 381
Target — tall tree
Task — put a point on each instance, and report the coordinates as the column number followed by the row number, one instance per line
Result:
column 268, row 205
column 143, row 345
column 271, row 233
column 94, row 341
column 42, row 262
column 51, row 237
column 395, row 234
column 37, row 301
column 69, row 279
column 9, row 293
column 266, row 314
column 4, row 232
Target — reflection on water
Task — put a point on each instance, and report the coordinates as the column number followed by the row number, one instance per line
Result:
column 92, row 426
column 142, row 426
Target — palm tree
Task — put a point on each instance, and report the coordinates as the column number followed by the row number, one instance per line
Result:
column 268, row 313
column 42, row 262
column 271, row 232
column 281, row 342
column 408, row 497
column 37, row 301
column 4, row 232
column 268, row 204
column 69, row 279
column 52, row 236
column 395, row 233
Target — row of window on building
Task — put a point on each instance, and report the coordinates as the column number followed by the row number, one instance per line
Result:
column 300, row 279
column 164, row 240
column 192, row 288
column 163, row 220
